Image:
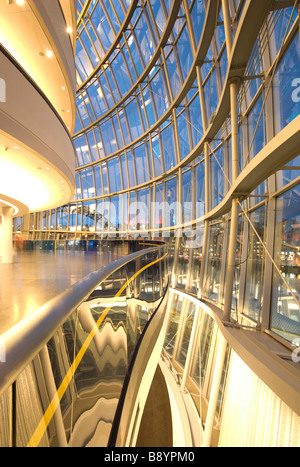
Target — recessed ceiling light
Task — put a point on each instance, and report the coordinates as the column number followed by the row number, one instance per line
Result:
column 49, row 53
column 69, row 30
column 63, row 88
column 20, row 2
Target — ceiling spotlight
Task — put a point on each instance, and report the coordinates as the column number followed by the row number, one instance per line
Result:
column 69, row 30
column 49, row 53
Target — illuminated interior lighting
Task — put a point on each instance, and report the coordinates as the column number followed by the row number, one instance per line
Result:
column 20, row 2
column 16, row 210
column 49, row 53
column 69, row 30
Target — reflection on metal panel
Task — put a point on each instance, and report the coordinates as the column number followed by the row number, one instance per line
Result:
column 90, row 357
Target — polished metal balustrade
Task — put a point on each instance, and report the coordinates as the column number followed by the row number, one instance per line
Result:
column 76, row 369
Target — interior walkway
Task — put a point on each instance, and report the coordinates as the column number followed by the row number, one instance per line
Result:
column 38, row 276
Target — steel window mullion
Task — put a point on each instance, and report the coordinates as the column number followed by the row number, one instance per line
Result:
column 130, row 55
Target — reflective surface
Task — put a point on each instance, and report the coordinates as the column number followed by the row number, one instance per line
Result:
column 184, row 312
column 38, row 275
column 86, row 362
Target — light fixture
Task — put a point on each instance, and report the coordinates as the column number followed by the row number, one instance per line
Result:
column 69, row 30
column 16, row 210
column 49, row 53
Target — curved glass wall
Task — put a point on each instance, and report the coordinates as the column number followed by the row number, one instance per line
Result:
column 155, row 141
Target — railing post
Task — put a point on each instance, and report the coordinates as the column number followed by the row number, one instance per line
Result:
column 14, row 415
column 215, row 389
column 235, row 203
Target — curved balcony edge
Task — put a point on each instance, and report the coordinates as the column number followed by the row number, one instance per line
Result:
column 28, row 118
column 52, row 15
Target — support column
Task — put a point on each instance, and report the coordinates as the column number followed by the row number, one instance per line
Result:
column 7, row 231
column 235, row 204
column 205, row 248
column 1, row 241
column 26, row 226
column 234, row 128
column 231, row 260
column 227, row 27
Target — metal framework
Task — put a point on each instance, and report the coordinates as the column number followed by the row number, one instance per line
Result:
column 194, row 104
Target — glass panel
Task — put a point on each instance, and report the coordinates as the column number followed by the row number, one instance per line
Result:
column 255, row 265
column 87, row 183
column 256, row 130
column 200, row 363
column 183, row 266
column 285, row 319
column 289, row 173
column 286, row 88
column 171, row 202
column 213, row 277
column 185, row 333
column 88, row 216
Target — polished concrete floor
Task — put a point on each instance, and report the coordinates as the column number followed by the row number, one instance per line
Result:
column 36, row 277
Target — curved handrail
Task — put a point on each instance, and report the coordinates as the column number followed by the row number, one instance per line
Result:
column 24, row 341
